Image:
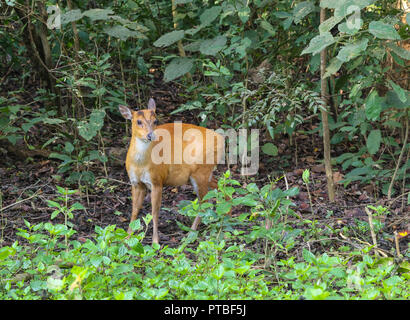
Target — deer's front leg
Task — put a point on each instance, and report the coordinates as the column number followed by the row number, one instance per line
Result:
column 156, row 197
column 138, row 195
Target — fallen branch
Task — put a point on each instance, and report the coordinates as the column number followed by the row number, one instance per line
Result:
column 20, row 201
column 373, row 234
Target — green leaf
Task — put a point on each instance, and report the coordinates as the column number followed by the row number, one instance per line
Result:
column 177, row 68
column 305, row 176
column 373, row 141
column 54, row 214
column 308, row 256
column 223, row 208
column 328, row 24
column 352, row 50
column 270, row 149
column 6, row 251
column 319, row 43
column 268, row 27
column 209, row 15
column 68, row 147
column 212, row 46
column 333, row 67
column 351, row 29
column 123, row 33
column 403, row 53
column 169, row 38
column 60, row 156
column 182, row 1
column 244, row 13
column 77, row 206
column 301, row 10
column 89, row 130
column 383, row 30
column 373, row 106
column 345, row 7
column 393, row 100
column 71, row 16
column 401, row 93
column 98, row 14
column 53, row 204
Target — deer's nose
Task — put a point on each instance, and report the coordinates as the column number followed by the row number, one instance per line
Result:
column 150, row 136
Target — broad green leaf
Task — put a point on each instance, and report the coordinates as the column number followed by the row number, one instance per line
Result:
column 77, row 206
column 89, row 130
column 193, row 30
column 223, row 208
column 287, row 23
column 244, row 13
column 393, row 100
column 62, row 157
column 350, row 28
column 373, row 141
column 328, row 24
column 169, row 38
column 301, row 10
column 383, row 30
column 333, row 67
column 319, row 43
column 53, row 204
column 403, row 53
column 212, row 46
column 270, row 149
column 308, row 256
column 373, row 106
column 244, row 44
column 130, row 24
column 282, row 14
column 352, row 50
column 182, row 1
column 53, row 120
column 68, row 147
column 401, row 93
column 331, row 4
column 193, row 47
column 209, row 15
column 177, row 68
column 345, row 7
column 71, row 16
column 268, row 27
column 98, row 14
column 6, row 251
column 123, row 33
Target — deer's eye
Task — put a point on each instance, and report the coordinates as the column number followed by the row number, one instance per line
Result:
column 139, row 122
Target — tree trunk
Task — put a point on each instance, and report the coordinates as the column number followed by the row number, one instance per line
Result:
column 38, row 46
column 325, row 122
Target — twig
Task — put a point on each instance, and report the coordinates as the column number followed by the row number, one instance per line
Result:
column 381, row 251
column 23, row 200
column 369, row 214
column 399, row 160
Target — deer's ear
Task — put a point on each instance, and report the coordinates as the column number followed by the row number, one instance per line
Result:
column 125, row 112
column 151, row 104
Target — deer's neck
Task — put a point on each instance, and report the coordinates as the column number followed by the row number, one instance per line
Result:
column 141, row 151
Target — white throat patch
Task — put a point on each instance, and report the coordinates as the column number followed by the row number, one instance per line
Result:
column 141, row 147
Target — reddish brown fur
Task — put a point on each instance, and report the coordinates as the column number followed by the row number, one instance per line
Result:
column 143, row 172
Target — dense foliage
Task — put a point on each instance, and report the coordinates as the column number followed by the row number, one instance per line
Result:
column 227, row 263
column 67, row 65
